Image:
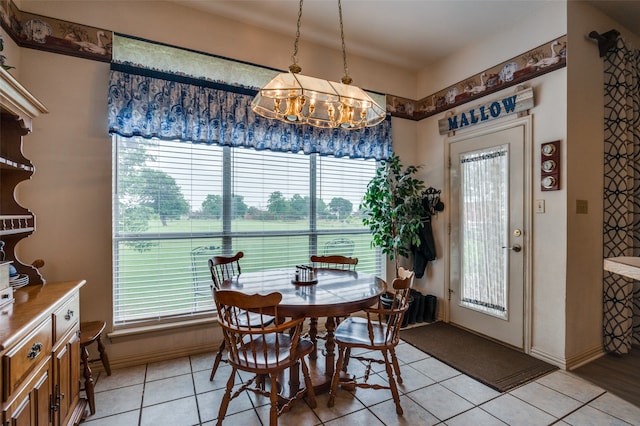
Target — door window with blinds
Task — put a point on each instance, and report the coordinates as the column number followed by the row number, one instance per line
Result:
column 177, row 203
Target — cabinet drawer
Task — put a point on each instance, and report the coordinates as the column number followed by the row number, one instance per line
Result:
column 20, row 360
column 66, row 317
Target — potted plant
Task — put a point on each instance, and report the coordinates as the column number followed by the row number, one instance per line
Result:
column 392, row 208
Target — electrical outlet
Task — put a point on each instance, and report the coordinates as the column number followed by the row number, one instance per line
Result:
column 539, row 206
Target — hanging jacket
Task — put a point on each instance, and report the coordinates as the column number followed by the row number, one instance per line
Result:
column 426, row 251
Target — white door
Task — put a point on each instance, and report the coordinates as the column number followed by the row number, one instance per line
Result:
column 488, row 235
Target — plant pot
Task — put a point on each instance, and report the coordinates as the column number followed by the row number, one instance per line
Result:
column 386, row 301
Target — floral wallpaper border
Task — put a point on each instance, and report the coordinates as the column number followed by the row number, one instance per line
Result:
column 533, row 63
column 55, row 35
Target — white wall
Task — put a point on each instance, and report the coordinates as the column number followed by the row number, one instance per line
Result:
column 549, row 123
column 70, row 192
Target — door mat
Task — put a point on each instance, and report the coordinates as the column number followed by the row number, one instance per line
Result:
column 491, row 363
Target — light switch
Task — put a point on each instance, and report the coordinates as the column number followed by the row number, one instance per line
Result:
column 539, row 206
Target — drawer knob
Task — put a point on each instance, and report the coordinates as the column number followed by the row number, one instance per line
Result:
column 35, row 350
column 69, row 315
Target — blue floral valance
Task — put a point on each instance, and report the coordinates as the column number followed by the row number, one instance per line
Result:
column 160, row 105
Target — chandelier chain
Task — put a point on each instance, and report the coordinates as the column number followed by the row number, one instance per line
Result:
column 344, row 49
column 294, row 58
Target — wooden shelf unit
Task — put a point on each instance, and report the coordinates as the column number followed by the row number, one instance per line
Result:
column 18, row 108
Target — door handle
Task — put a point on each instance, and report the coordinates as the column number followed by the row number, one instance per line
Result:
column 516, row 247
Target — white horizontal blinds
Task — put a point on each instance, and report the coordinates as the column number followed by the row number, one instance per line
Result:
column 176, row 204
column 163, row 227
column 485, row 192
column 159, row 282
column 341, row 184
column 274, row 232
column 275, row 187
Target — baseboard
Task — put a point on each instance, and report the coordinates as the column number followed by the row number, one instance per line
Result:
column 585, row 357
column 164, row 355
column 551, row 359
column 570, row 363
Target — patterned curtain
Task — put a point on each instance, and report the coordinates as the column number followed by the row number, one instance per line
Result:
column 621, row 193
column 154, row 104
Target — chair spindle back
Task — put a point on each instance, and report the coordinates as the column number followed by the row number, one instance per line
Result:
column 400, row 304
column 340, row 262
column 224, row 268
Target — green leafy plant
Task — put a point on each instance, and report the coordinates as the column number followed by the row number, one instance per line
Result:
column 392, row 208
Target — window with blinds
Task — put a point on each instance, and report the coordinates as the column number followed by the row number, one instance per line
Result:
column 176, row 204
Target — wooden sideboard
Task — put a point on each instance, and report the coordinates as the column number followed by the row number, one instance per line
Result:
column 40, row 347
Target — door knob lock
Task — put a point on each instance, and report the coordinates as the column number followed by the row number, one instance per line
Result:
column 516, row 247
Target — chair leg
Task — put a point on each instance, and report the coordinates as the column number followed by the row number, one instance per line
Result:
column 396, row 366
column 88, row 380
column 347, row 356
column 216, row 363
column 226, row 398
column 261, row 381
column 392, row 383
column 336, row 378
column 273, row 397
column 311, row 394
column 103, row 356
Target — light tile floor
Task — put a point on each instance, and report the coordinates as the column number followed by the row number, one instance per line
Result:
column 178, row 393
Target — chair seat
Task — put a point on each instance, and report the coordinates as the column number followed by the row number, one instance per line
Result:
column 280, row 358
column 354, row 331
column 90, row 331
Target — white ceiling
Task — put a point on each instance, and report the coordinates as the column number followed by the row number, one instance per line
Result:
column 407, row 33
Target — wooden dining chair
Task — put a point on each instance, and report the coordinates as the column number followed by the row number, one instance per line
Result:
column 342, row 246
column 379, row 331
column 263, row 349
column 334, row 262
column 225, row 268
column 90, row 333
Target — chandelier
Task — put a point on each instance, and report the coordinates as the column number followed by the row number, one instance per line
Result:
column 295, row 98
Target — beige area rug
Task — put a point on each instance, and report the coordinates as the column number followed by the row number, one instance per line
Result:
column 491, row 363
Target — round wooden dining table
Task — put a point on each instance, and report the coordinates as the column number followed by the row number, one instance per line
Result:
column 336, row 293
